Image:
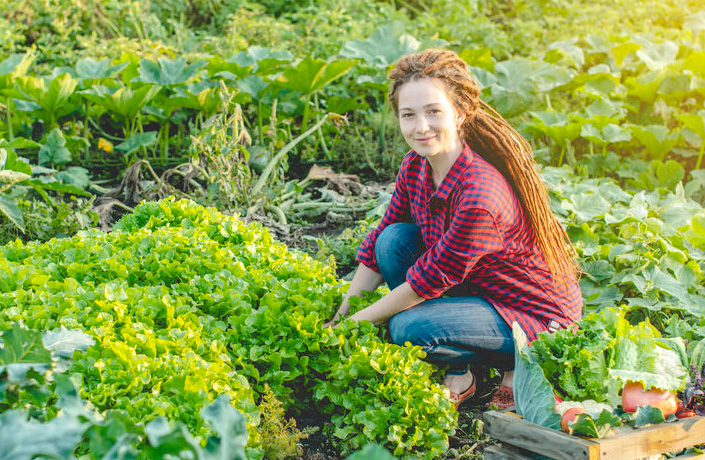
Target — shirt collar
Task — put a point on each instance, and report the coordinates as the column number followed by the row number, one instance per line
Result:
column 452, row 179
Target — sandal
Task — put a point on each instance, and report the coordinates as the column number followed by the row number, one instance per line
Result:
column 503, row 398
column 457, row 399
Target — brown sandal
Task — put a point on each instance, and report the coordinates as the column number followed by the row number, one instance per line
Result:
column 457, row 399
column 503, row 398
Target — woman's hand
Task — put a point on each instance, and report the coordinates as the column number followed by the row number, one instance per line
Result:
column 399, row 299
column 365, row 279
column 333, row 322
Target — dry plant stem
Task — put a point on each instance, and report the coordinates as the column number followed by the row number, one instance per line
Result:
column 281, row 217
column 122, row 205
column 286, row 149
column 163, row 184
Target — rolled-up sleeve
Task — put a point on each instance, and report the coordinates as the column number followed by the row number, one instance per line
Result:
column 472, row 234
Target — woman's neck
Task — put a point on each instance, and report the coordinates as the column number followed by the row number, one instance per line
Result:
column 441, row 164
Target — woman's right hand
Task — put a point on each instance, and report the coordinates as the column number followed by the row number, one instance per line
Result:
column 342, row 311
column 365, row 279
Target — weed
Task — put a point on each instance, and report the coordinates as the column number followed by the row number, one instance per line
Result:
column 279, row 435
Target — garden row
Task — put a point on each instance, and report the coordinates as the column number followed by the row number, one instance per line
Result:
column 182, row 305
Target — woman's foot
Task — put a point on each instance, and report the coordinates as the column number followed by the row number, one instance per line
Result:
column 462, row 387
column 503, row 398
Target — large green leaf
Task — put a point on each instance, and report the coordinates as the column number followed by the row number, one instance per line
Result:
column 11, row 63
column 76, row 176
column 124, row 101
column 12, row 212
column 561, row 128
column 605, row 111
column 23, row 439
column 384, row 47
column 12, row 177
column 42, row 186
column 587, row 206
column 90, row 69
column 138, row 140
column 621, row 51
column 231, row 428
column 565, row 50
column 167, row 72
column 266, row 60
column 645, row 86
column 54, row 151
column 20, row 345
column 201, row 96
column 695, row 62
column 657, row 55
column 533, row 394
column 657, row 139
column 19, row 143
column 167, row 441
column 372, row 452
column 480, row 58
column 514, row 89
column 63, row 342
column 311, row 74
column 53, row 96
column 695, row 122
column 12, row 67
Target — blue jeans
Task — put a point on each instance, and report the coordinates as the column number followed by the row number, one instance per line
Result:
column 454, row 330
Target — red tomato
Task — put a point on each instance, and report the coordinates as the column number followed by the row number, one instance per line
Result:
column 558, row 401
column 569, row 416
column 633, row 396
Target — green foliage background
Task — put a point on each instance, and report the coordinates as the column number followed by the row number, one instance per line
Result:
column 230, row 103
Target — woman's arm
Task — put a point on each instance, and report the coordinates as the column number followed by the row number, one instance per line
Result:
column 399, row 299
column 365, row 279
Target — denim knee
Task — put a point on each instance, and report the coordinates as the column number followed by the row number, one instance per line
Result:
column 401, row 331
column 397, row 248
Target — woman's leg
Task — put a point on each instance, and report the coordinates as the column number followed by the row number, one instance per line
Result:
column 397, row 248
column 457, row 331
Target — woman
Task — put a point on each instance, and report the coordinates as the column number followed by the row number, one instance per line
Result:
column 468, row 244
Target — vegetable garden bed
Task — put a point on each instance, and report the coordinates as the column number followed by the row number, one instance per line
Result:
column 521, row 439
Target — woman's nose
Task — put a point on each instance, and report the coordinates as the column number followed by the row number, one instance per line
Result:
column 421, row 124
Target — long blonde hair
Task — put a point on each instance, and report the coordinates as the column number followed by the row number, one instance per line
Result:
column 492, row 137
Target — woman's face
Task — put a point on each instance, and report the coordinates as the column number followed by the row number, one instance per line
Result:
column 428, row 119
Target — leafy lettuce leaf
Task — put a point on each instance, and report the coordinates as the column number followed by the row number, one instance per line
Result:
column 533, row 394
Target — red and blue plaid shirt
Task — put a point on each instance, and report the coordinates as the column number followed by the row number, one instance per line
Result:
column 476, row 237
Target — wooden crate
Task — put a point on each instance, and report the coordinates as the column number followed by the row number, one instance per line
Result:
column 523, row 440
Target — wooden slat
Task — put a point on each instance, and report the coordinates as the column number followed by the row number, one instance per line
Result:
column 502, row 453
column 535, row 438
column 653, row 440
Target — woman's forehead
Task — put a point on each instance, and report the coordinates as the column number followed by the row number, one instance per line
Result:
column 423, row 92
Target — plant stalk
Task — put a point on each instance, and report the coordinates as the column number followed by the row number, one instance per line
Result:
column 304, row 121
column 282, row 153
column 9, row 118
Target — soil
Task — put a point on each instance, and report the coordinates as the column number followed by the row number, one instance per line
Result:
column 468, row 442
